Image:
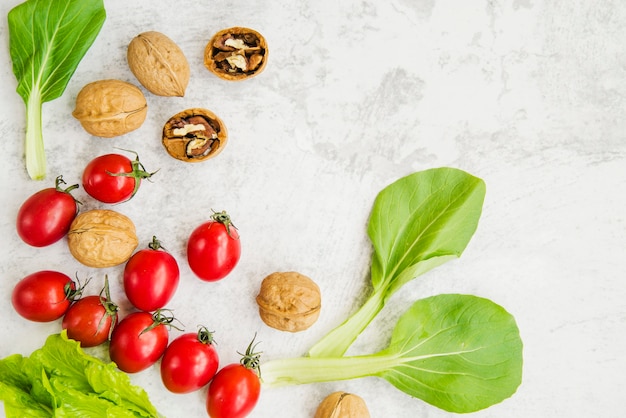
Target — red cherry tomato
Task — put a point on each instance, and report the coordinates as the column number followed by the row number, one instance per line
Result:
column 45, row 217
column 139, row 341
column 151, row 277
column 189, row 362
column 43, row 296
column 213, row 248
column 235, row 389
column 113, row 178
column 90, row 320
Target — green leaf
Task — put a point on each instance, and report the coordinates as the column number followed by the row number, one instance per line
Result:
column 417, row 223
column 423, row 216
column 60, row 379
column 47, row 41
column 16, row 390
column 460, row 353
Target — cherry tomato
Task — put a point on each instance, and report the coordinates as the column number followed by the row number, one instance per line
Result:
column 45, row 217
column 213, row 248
column 235, row 389
column 44, row 296
column 113, row 178
column 151, row 277
column 189, row 362
column 139, row 341
column 91, row 319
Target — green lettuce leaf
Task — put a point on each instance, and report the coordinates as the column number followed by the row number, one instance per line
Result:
column 60, row 379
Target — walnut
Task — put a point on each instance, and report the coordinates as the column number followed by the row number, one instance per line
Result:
column 236, row 53
column 289, row 301
column 342, row 405
column 102, row 238
column 194, row 135
column 109, row 108
column 159, row 64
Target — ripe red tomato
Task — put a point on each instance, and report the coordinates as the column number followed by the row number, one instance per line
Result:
column 139, row 341
column 189, row 362
column 91, row 319
column 45, row 217
column 113, row 178
column 213, row 248
column 43, row 296
column 233, row 392
column 235, row 389
column 151, row 277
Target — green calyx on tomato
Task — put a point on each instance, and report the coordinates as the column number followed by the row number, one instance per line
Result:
column 110, row 308
column 155, row 244
column 74, row 290
column 58, row 182
column 162, row 317
column 138, row 172
column 251, row 359
column 205, row 336
column 223, row 218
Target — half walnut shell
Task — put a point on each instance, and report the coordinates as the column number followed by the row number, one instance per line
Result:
column 236, row 53
column 194, row 135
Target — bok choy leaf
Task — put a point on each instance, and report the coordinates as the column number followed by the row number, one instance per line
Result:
column 417, row 223
column 460, row 353
column 47, row 41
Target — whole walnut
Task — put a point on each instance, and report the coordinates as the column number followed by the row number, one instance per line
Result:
column 102, row 238
column 159, row 64
column 342, row 405
column 289, row 301
column 109, row 108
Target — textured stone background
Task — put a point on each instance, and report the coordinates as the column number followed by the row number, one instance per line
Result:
column 529, row 95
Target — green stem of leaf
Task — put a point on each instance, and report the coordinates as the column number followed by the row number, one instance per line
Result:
column 34, row 147
column 303, row 370
column 337, row 341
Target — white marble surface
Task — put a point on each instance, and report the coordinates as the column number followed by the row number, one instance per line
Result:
column 530, row 95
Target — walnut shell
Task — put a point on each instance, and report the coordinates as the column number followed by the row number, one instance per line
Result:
column 159, row 64
column 236, row 53
column 102, row 238
column 109, row 108
column 289, row 301
column 342, row 405
column 194, row 135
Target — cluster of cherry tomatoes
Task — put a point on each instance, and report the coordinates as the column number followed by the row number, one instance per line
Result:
column 151, row 277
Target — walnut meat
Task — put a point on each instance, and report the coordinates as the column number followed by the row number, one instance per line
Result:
column 109, row 108
column 194, row 135
column 342, row 405
column 159, row 64
column 236, row 53
column 289, row 301
column 102, row 238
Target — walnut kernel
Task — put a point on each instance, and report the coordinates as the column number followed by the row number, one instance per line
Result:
column 289, row 301
column 342, row 405
column 109, row 108
column 194, row 135
column 236, row 53
column 102, row 238
column 159, row 64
